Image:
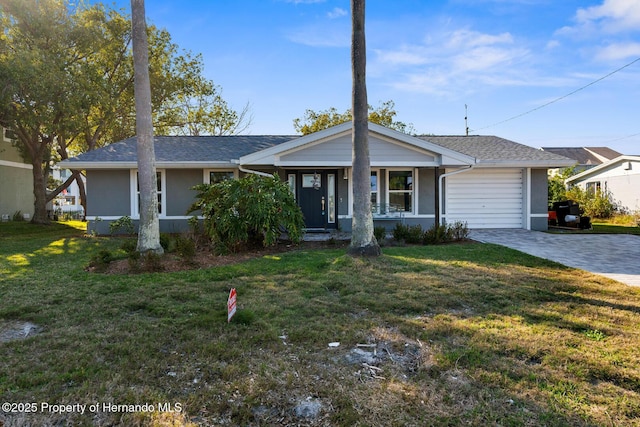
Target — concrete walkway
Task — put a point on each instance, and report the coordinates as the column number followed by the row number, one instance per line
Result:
column 616, row 256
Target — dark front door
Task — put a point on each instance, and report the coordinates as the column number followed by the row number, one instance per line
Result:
column 316, row 197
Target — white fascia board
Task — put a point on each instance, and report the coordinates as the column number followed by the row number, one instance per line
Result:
column 196, row 165
column 524, row 164
column 310, row 163
column 595, row 170
column 134, row 165
column 404, row 164
column 97, row 165
column 15, row 164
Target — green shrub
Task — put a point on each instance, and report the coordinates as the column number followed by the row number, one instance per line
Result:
column 129, row 246
column 459, row 231
column 380, row 233
column 248, row 211
column 124, row 224
column 400, row 232
column 415, row 234
column 595, row 204
column 101, row 260
column 166, row 242
column 437, row 234
column 151, row 262
column 17, row 216
column 186, row 247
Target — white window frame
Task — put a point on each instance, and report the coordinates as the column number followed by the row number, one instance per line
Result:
column 331, row 198
column 135, row 208
column 206, row 174
column 376, row 208
column 413, row 191
column 291, row 180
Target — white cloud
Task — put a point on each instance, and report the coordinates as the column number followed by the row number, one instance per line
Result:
column 612, row 16
column 466, row 38
column 321, row 35
column 454, row 62
column 617, row 51
column 337, row 12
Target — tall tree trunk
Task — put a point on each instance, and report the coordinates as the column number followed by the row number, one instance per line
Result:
column 363, row 241
column 149, row 229
column 40, row 195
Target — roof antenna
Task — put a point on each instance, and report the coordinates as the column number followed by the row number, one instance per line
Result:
column 466, row 125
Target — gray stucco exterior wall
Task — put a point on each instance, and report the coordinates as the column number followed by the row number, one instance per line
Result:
column 426, row 191
column 539, row 191
column 180, row 195
column 343, row 194
column 539, row 199
column 108, row 192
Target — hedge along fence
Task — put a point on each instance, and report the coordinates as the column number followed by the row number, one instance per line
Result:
column 250, row 210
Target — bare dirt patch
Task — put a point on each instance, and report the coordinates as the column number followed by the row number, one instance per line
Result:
column 17, row 330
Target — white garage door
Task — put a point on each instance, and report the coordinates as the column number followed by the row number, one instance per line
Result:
column 485, row 198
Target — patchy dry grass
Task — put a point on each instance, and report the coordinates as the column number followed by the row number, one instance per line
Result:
column 449, row 335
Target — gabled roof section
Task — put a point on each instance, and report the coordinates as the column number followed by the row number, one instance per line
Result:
column 606, row 165
column 585, row 156
column 178, row 151
column 272, row 156
column 495, row 151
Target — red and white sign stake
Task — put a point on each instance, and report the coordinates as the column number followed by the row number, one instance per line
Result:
column 231, row 305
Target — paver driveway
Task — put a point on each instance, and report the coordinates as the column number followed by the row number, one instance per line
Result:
column 616, row 256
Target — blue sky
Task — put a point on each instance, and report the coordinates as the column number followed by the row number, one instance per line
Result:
column 502, row 58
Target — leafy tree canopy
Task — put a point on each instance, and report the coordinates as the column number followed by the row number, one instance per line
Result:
column 384, row 115
column 66, row 84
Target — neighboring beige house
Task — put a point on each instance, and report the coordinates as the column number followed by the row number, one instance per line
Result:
column 16, row 181
column 620, row 177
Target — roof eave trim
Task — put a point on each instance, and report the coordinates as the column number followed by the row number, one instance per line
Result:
column 134, row 165
column 523, row 163
column 596, row 169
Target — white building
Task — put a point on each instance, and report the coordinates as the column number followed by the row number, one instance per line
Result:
column 68, row 201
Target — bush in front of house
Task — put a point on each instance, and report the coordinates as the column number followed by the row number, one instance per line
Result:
column 436, row 234
column 253, row 210
column 595, row 204
column 380, row 233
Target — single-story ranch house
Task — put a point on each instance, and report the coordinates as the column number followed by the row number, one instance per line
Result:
column 486, row 181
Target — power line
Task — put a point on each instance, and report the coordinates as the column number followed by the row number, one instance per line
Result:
column 621, row 138
column 562, row 97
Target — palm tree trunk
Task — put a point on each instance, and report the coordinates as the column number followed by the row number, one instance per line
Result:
column 363, row 241
column 149, row 230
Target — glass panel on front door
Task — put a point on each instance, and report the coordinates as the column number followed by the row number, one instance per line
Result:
column 311, row 180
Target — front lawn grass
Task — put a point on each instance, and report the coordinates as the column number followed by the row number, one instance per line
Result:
column 609, row 228
column 467, row 334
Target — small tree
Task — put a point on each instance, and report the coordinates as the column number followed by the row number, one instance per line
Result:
column 383, row 115
column 557, row 188
column 596, row 203
column 250, row 210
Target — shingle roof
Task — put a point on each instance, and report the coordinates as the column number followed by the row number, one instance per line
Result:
column 226, row 149
column 492, row 148
column 186, row 148
column 584, row 155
